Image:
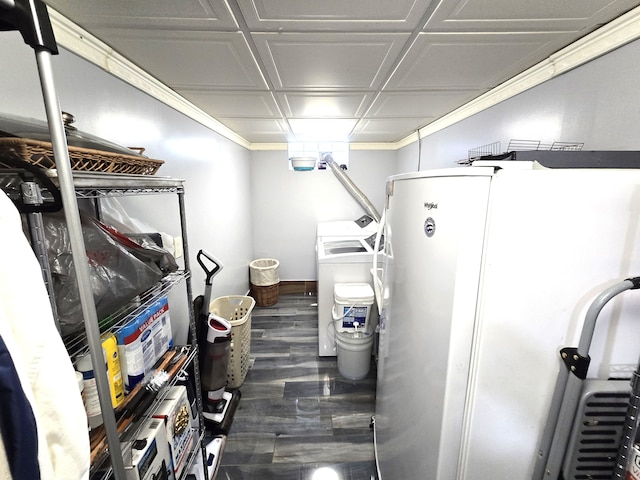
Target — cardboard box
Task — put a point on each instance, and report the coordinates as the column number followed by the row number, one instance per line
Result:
column 143, row 341
column 214, row 449
column 149, row 457
column 175, row 411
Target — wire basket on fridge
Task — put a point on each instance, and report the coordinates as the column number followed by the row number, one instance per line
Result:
column 237, row 310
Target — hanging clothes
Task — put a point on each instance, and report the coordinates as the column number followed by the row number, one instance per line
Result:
column 18, row 430
column 42, row 365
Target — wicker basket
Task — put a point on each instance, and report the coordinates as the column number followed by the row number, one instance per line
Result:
column 237, row 310
column 264, row 280
column 40, row 153
column 265, row 296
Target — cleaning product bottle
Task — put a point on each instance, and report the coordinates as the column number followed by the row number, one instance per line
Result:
column 114, row 372
column 92, row 402
column 80, row 380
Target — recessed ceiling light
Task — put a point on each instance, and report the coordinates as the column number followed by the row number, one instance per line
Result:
column 308, row 129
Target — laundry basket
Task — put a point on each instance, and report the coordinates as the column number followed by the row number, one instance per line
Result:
column 265, row 281
column 237, row 310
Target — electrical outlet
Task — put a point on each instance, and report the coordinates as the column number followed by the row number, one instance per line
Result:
column 178, row 249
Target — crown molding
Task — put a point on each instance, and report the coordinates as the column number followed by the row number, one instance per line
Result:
column 607, row 38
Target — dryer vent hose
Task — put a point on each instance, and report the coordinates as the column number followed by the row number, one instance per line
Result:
column 351, row 187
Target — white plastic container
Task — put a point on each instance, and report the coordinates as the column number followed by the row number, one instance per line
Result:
column 301, row 164
column 352, row 305
column 354, row 353
column 90, row 390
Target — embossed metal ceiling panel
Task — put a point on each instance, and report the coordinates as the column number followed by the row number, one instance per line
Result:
column 385, row 68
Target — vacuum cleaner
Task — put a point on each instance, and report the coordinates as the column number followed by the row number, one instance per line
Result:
column 214, row 345
column 215, row 359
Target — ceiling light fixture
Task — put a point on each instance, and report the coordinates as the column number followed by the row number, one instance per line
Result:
column 322, row 129
column 338, row 150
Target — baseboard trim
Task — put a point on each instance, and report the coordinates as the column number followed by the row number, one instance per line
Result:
column 306, row 287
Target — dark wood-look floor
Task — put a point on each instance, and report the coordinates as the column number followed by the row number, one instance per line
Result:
column 297, row 416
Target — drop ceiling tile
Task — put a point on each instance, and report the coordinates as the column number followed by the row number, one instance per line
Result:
column 525, row 15
column 334, row 15
column 190, row 59
column 482, row 61
column 256, row 130
column 234, row 104
column 323, row 105
column 419, row 104
column 322, row 61
column 386, row 130
column 145, row 14
column 259, row 137
column 335, row 55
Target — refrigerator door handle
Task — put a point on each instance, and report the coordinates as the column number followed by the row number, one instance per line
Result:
column 376, row 272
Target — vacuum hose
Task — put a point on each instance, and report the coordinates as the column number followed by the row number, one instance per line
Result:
column 351, row 187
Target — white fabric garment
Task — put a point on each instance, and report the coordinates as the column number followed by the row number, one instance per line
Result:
column 44, row 368
column 4, row 465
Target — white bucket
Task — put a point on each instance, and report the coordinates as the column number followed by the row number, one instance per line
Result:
column 354, row 353
column 352, row 303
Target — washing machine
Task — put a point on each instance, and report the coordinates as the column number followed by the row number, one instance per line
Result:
column 340, row 259
column 363, row 227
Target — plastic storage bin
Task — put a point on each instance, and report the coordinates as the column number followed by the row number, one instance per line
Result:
column 265, row 281
column 237, row 310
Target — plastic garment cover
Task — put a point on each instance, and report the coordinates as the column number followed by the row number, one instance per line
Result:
column 120, row 269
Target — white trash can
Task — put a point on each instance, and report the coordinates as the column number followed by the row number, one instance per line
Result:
column 352, row 306
column 354, row 353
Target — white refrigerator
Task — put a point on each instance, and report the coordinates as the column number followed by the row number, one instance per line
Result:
column 487, row 272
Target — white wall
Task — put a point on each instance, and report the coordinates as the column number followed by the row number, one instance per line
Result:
column 243, row 205
column 240, row 205
column 410, row 158
column 215, row 169
column 287, row 205
column 597, row 103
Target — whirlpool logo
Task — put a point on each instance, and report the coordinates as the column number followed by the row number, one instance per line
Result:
column 430, row 205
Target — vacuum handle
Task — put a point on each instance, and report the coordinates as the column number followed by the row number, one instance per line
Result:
column 217, row 265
